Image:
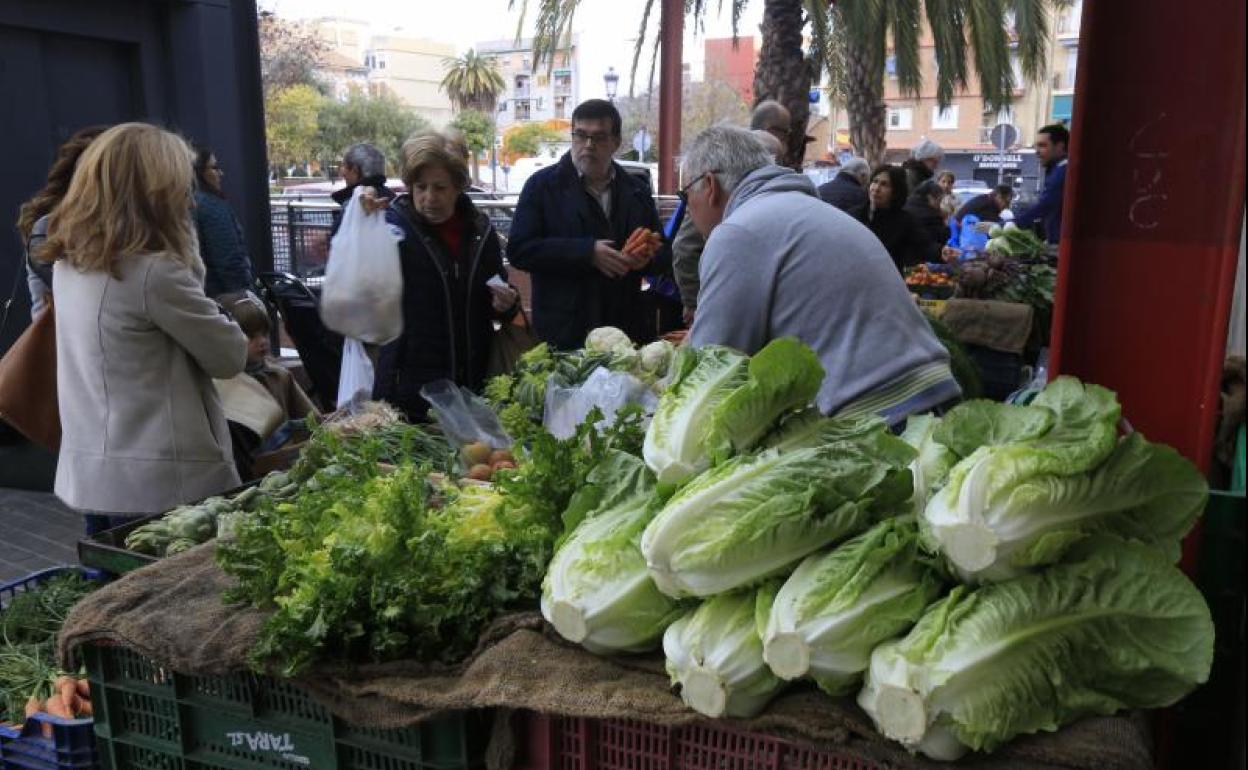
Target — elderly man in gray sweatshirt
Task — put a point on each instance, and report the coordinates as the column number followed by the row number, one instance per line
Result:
column 780, row 262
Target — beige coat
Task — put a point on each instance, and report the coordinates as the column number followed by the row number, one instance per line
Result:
column 142, row 428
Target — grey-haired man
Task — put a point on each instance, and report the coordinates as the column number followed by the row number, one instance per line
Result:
column 780, row 262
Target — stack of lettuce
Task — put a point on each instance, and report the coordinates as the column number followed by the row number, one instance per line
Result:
column 999, row 571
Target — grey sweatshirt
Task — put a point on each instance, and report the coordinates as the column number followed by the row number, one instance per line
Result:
column 784, row 263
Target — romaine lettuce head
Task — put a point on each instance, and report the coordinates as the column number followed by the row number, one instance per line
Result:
column 597, row 591
column 931, row 467
column 715, row 656
column 1082, row 436
column 755, row 515
column 1117, row 627
column 838, row 605
column 973, row 424
column 992, row 531
column 809, row 428
column 675, row 441
column 721, row 403
column 783, row 376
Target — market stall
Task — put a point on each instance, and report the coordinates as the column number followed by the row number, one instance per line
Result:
column 671, row 543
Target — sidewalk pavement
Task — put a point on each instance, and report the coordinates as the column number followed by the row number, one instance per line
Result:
column 36, row 531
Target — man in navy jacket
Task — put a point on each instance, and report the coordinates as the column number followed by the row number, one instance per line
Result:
column 1051, row 147
column 570, row 225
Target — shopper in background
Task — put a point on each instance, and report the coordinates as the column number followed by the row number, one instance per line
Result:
column 847, row 190
column 884, row 215
column 948, row 201
column 138, row 342
column 362, row 164
column 774, row 118
column 453, row 279
column 924, row 159
column 32, row 218
column 932, row 229
column 1052, row 144
column 221, row 244
column 768, row 272
column 988, row 207
column 571, row 222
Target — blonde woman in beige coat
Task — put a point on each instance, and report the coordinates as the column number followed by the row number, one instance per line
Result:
column 138, row 343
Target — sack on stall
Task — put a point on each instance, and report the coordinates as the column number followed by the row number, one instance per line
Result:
column 28, row 382
column 512, row 340
column 355, row 380
column 362, row 296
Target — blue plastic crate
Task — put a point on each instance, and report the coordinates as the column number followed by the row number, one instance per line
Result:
column 71, row 745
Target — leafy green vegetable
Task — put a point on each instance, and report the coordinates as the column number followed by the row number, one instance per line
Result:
column 597, row 592
column 963, row 519
column 837, row 606
column 934, row 461
column 1144, row 491
column 1118, row 627
column 714, row 654
column 29, row 625
column 753, row 516
column 721, row 403
column 973, row 424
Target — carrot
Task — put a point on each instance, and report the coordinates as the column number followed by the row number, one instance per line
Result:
column 631, row 244
column 84, row 688
column 85, row 709
column 56, row 707
column 69, row 693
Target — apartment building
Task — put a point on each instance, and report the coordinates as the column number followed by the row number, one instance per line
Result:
column 410, row 68
column 533, row 97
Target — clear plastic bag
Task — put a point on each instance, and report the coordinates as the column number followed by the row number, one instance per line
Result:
column 362, row 296
column 464, row 417
column 566, row 408
column 355, row 379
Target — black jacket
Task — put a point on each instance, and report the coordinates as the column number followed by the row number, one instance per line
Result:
column 916, row 173
column 983, row 206
column 343, row 197
column 552, row 237
column 897, row 231
column 932, row 231
column 844, row 191
column 447, row 307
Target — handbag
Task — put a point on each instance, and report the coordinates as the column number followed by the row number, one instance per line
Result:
column 28, row 382
column 511, row 341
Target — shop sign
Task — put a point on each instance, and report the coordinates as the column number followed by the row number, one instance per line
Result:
column 995, row 160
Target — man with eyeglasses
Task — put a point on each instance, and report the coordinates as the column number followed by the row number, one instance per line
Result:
column 779, row 262
column 570, row 225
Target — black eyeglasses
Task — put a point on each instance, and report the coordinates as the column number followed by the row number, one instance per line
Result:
column 683, row 193
column 587, row 138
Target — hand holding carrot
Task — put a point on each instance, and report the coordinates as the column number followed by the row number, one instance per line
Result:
column 642, row 245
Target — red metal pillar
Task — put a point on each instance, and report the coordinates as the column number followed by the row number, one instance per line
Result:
column 672, row 30
column 1153, row 212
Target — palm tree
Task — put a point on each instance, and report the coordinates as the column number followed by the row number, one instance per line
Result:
column 984, row 32
column 849, row 42
column 473, row 82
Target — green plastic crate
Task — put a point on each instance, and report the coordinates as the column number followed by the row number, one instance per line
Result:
column 148, row 717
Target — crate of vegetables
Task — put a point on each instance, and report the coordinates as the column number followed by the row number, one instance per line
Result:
column 45, row 715
column 151, row 717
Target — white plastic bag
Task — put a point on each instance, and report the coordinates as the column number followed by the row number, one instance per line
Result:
column 355, row 379
column 567, row 408
column 464, row 417
column 362, row 296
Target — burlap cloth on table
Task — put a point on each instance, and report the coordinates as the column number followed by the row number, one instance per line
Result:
column 1003, row 326
column 172, row 613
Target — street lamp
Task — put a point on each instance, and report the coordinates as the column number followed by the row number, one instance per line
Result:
column 612, row 83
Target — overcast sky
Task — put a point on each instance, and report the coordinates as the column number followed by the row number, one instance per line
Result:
column 606, row 28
